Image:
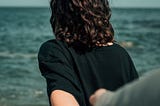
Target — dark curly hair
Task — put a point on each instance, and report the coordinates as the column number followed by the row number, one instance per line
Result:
column 85, row 21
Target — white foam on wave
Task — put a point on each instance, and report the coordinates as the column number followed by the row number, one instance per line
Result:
column 17, row 55
column 127, row 44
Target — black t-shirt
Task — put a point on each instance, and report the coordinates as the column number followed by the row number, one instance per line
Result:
column 82, row 73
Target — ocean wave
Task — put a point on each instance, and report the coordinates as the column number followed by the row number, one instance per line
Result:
column 17, row 55
column 127, row 44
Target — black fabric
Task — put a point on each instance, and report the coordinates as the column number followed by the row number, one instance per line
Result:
column 81, row 73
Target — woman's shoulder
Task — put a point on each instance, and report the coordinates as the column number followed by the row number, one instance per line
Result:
column 120, row 49
column 53, row 48
column 52, row 44
column 118, row 46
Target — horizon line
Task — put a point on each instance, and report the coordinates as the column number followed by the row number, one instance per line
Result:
column 138, row 7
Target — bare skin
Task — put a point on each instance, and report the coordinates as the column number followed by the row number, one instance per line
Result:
column 93, row 98
column 62, row 98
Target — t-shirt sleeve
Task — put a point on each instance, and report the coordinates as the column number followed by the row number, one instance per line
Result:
column 57, row 70
column 133, row 72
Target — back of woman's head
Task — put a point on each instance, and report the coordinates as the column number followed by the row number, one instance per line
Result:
column 85, row 21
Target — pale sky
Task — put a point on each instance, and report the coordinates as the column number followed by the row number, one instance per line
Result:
column 114, row 3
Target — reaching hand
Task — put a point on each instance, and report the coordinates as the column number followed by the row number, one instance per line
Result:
column 94, row 97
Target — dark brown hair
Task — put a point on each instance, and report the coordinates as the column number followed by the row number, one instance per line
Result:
column 85, row 21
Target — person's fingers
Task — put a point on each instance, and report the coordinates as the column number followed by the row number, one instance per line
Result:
column 92, row 99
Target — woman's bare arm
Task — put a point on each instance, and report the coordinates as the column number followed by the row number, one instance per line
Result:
column 62, row 98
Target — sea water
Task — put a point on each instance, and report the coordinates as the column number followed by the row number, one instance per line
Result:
column 23, row 30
